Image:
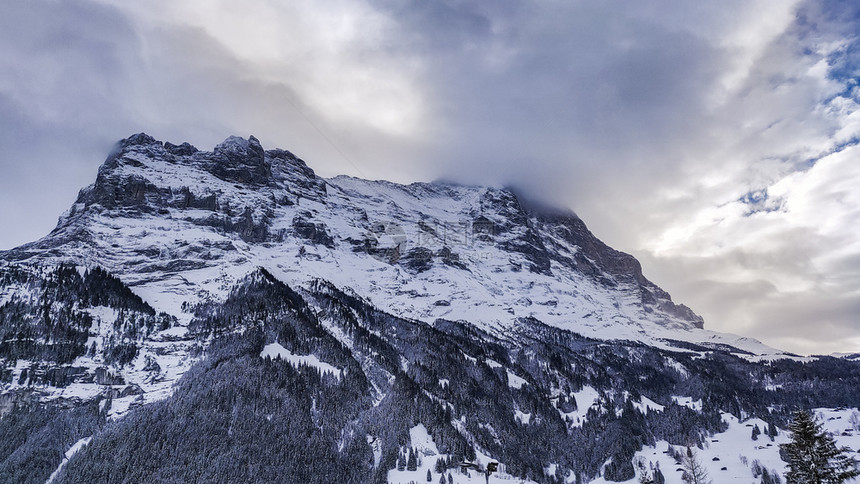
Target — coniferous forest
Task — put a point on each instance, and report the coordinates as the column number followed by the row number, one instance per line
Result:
column 237, row 416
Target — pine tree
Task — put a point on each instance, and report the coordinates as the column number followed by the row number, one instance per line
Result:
column 429, row 476
column 658, row 475
column 650, row 475
column 771, row 431
column 694, row 471
column 770, row 478
column 756, row 431
column 645, row 477
column 412, row 462
column 813, row 457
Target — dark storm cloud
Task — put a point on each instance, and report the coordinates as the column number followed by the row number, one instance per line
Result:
column 543, row 91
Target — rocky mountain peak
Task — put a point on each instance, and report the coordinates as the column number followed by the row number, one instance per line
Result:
column 235, row 159
column 139, row 139
column 240, row 160
column 136, row 143
column 240, row 147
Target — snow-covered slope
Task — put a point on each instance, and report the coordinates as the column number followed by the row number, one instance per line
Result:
column 734, row 456
column 182, row 226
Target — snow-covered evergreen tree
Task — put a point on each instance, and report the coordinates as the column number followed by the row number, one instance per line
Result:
column 658, row 475
column 412, row 461
column 771, row 430
column 645, row 475
column 651, row 474
column 813, row 457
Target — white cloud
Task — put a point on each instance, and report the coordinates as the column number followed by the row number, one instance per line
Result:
column 334, row 54
column 794, row 269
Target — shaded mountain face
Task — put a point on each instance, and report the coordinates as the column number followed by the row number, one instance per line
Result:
column 228, row 316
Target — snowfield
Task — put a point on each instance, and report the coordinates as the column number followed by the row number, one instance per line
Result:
column 421, row 440
column 731, row 456
column 276, row 351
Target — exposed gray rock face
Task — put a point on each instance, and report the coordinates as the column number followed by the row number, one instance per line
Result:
column 237, row 160
column 315, row 233
column 241, row 161
column 599, row 260
column 418, row 259
column 127, row 186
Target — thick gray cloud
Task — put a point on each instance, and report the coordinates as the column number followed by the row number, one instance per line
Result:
column 713, row 140
column 59, row 66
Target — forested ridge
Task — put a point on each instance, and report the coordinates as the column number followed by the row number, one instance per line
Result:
column 236, row 416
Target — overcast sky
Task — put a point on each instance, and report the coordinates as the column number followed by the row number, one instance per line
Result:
column 714, row 140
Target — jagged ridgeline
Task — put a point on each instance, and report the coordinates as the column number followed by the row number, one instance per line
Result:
column 228, row 316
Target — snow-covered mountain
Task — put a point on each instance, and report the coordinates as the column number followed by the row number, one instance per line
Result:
column 181, row 225
column 230, row 316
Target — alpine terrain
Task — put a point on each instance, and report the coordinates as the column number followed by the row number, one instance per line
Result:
column 229, row 316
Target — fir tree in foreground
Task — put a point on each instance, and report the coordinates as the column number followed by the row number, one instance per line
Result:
column 813, row 457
